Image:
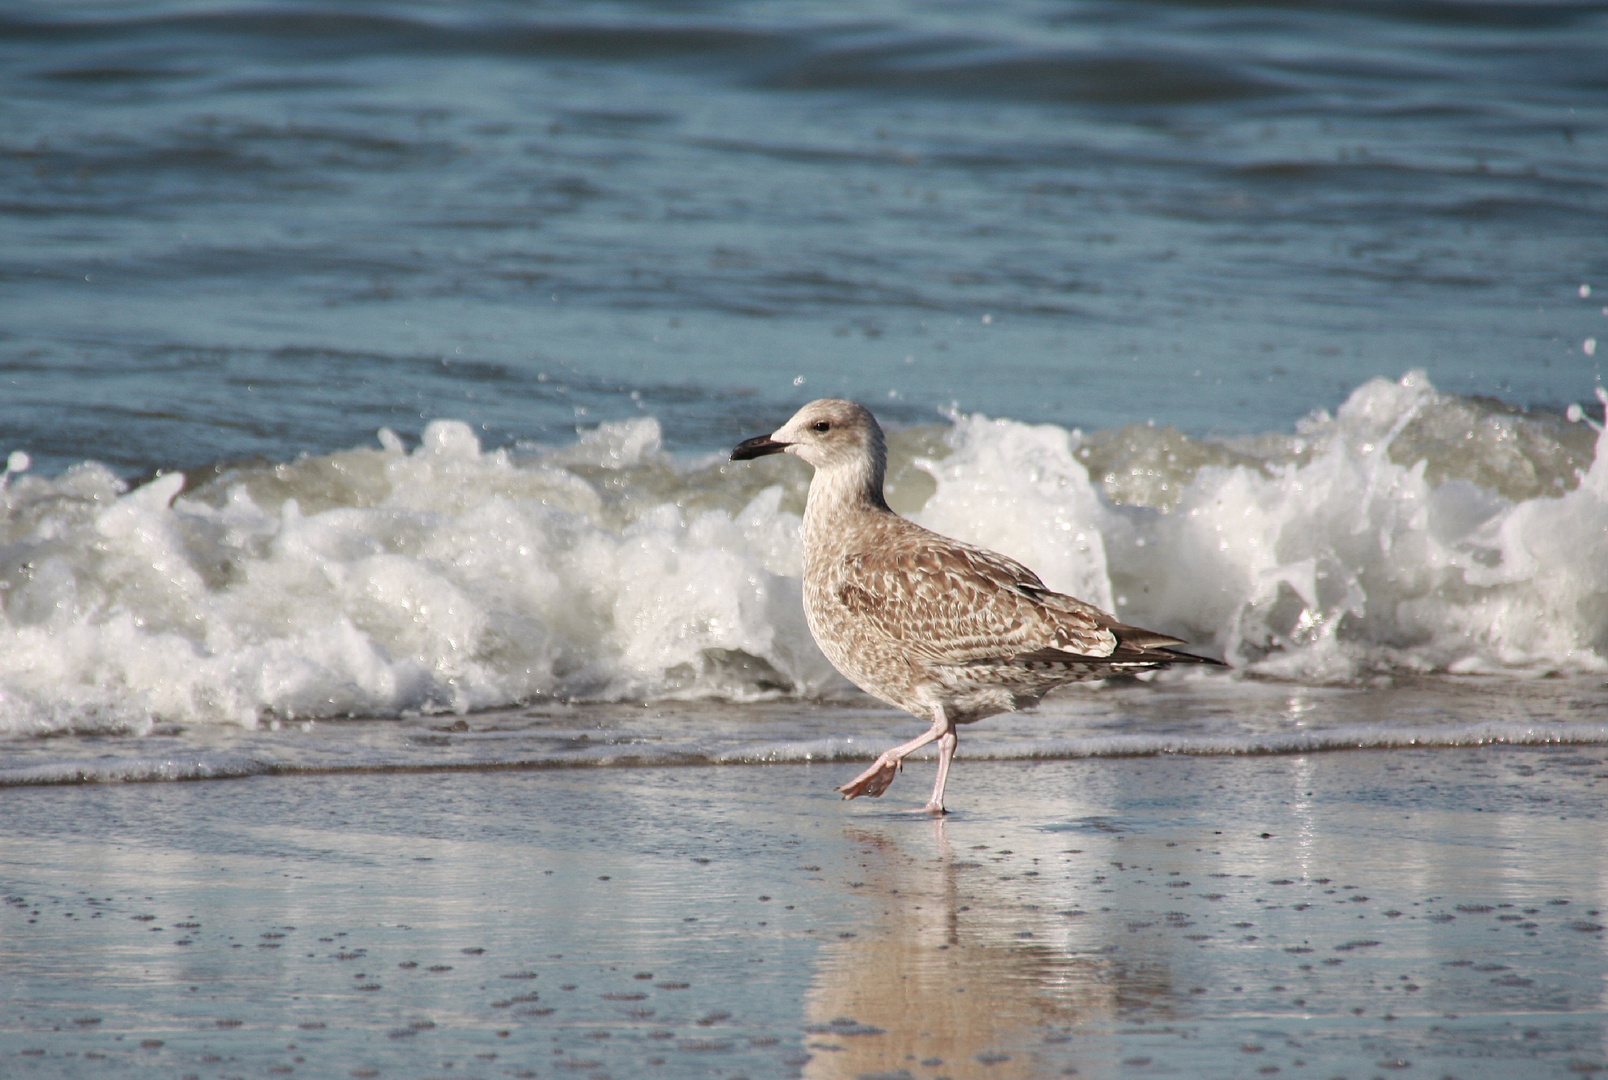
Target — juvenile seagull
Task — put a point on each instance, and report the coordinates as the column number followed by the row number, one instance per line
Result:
column 948, row 632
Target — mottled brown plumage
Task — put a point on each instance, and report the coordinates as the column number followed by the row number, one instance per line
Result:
column 944, row 630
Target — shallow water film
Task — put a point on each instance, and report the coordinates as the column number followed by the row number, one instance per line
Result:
column 1406, row 913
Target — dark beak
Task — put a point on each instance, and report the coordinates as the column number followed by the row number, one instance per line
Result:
column 758, row 446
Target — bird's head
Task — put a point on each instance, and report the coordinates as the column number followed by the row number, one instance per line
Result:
column 830, row 434
column 843, row 442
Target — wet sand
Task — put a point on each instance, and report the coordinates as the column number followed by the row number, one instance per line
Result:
column 1347, row 914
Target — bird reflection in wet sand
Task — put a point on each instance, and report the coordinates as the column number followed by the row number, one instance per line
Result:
column 951, row 974
column 948, row 632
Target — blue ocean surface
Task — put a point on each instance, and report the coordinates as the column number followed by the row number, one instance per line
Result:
column 378, row 359
column 266, row 229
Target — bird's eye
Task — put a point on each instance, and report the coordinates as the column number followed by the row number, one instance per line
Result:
column 822, row 425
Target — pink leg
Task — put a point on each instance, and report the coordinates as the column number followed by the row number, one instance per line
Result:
column 947, row 743
column 875, row 780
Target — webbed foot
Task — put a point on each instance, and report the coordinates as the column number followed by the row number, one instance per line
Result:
column 875, row 780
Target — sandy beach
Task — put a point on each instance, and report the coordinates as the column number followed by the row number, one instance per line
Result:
column 1347, row 914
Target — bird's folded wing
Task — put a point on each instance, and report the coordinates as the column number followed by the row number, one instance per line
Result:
column 950, row 603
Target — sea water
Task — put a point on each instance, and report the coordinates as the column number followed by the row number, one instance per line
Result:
column 267, row 229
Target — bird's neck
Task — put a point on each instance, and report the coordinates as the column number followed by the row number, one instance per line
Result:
column 844, row 490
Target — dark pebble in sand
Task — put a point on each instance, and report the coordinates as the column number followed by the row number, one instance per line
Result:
column 624, row 997
column 229, row 1023
column 151, row 1044
column 643, row 975
column 844, row 1025
column 672, row 985
column 1585, row 927
column 439, row 967
column 472, row 951
column 527, row 975
column 703, row 1045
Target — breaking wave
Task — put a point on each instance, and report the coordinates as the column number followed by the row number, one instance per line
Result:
column 1411, row 531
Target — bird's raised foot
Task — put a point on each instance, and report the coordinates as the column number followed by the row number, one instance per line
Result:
column 875, row 780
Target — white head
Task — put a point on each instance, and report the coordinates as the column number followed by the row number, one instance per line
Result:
column 841, row 439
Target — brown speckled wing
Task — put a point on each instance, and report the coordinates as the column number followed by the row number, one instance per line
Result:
column 948, row 603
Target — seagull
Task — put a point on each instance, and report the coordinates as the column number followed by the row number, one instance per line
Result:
column 946, row 631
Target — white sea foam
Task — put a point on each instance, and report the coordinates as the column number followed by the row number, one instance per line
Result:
column 1411, row 530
